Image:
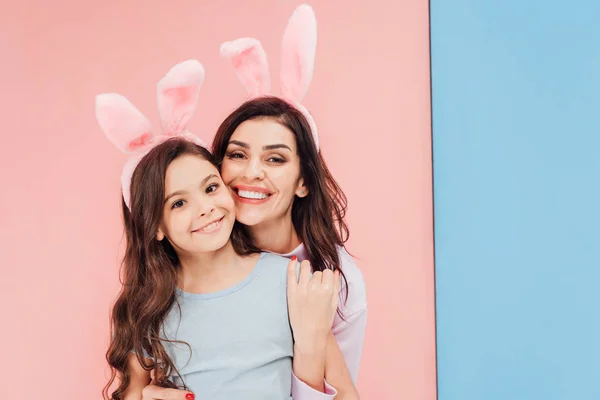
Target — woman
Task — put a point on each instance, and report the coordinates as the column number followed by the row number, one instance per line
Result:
column 285, row 195
column 290, row 203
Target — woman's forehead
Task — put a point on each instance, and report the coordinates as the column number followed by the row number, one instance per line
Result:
column 261, row 132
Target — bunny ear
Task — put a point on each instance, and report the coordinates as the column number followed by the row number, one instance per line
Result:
column 127, row 173
column 123, row 124
column 250, row 63
column 178, row 94
column 298, row 53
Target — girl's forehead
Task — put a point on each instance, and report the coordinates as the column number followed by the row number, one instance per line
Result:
column 189, row 168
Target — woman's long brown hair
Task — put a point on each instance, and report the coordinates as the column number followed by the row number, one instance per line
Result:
column 319, row 217
column 149, row 271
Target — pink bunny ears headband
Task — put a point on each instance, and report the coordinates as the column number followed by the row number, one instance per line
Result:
column 131, row 132
column 297, row 62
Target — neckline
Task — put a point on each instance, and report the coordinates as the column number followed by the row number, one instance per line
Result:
column 224, row 292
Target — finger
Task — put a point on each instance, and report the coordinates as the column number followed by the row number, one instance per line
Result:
column 153, row 392
column 337, row 281
column 292, row 277
column 337, row 287
column 304, row 273
column 316, row 279
column 327, row 280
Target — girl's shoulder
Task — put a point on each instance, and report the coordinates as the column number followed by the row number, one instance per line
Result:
column 267, row 258
column 272, row 262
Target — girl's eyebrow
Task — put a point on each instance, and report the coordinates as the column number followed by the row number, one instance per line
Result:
column 178, row 192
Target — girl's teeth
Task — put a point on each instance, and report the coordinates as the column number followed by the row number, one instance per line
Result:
column 211, row 226
column 252, row 195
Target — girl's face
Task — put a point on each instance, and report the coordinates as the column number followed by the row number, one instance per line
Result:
column 198, row 211
column 262, row 169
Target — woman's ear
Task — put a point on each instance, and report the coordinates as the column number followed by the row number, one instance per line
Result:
column 302, row 190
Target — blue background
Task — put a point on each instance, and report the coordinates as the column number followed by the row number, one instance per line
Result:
column 516, row 148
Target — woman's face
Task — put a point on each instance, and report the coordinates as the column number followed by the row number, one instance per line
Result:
column 198, row 211
column 262, row 169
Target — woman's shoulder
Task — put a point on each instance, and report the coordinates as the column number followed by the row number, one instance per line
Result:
column 357, row 293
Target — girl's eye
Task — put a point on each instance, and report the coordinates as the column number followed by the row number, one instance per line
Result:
column 177, row 204
column 212, row 188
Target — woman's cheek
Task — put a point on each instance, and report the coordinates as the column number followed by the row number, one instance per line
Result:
column 227, row 172
column 226, row 200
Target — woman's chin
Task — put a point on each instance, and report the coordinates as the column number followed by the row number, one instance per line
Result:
column 250, row 219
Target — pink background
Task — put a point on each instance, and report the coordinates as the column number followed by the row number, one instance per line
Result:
column 60, row 177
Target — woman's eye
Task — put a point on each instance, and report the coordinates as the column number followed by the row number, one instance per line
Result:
column 234, row 156
column 177, row 204
column 212, row 188
column 276, row 160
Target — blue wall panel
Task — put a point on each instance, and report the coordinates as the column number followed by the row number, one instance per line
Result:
column 516, row 135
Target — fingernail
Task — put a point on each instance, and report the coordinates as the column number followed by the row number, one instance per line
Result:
column 190, row 396
column 294, row 258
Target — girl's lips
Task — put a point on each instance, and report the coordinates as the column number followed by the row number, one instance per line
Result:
column 211, row 229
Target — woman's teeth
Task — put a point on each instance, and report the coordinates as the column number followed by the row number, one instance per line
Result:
column 252, row 195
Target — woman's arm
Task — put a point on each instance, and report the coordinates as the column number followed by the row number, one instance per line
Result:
column 336, row 372
column 311, row 308
column 140, row 388
column 139, row 378
column 349, row 333
column 316, row 356
column 338, row 384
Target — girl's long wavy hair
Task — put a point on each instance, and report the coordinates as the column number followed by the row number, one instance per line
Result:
column 149, row 272
column 319, row 217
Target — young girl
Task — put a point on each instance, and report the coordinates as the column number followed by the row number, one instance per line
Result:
column 201, row 308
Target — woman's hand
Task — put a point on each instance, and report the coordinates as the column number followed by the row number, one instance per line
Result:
column 312, row 304
column 153, row 392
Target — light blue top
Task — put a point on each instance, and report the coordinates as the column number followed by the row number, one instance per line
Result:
column 240, row 338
